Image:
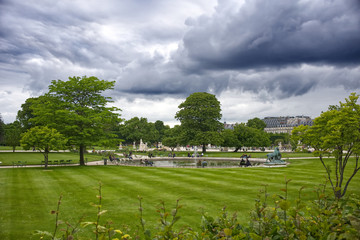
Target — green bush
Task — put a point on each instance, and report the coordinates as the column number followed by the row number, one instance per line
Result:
column 324, row 218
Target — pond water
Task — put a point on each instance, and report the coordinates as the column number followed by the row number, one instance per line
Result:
column 185, row 163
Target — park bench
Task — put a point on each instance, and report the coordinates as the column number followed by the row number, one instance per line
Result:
column 19, row 164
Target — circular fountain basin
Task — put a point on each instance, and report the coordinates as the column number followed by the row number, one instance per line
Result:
column 191, row 162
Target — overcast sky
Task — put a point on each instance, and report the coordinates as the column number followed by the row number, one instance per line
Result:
column 260, row 58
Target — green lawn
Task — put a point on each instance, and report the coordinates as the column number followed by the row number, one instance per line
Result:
column 35, row 158
column 29, row 194
column 10, row 148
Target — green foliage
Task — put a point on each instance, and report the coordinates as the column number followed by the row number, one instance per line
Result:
column 230, row 138
column 43, row 139
column 139, row 128
column 285, row 137
column 161, row 128
column 250, row 137
column 167, row 219
column 2, row 130
column 25, row 115
column 323, row 218
column 336, row 131
column 77, row 109
column 172, row 137
column 256, row 123
column 200, row 116
column 13, row 134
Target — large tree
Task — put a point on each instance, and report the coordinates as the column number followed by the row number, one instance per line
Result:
column 200, row 116
column 250, row 137
column 43, row 139
column 25, row 115
column 336, row 132
column 78, row 110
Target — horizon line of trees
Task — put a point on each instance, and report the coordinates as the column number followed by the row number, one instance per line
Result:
column 65, row 109
column 77, row 109
column 74, row 113
column 244, row 135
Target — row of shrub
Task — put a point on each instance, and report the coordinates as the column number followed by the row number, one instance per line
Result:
column 273, row 217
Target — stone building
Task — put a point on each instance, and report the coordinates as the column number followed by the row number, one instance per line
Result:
column 229, row 125
column 285, row 124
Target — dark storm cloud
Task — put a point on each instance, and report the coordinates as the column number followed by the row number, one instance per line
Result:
column 158, row 48
column 273, row 33
column 153, row 77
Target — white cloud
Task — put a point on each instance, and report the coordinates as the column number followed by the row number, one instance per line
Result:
column 159, row 109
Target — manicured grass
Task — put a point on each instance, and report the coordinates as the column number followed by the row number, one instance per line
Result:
column 35, row 158
column 10, row 148
column 29, row 194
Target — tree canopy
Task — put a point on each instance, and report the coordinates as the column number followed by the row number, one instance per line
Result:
column 136, row 128
column 78, row 110
column 256, row 123
column 161, row 128
column 250, row 137
column 230, row 139
column 200, row 116
column 12, row 134
column 336, row 132
column 43, row 139
column 25, row 115
column 172, row 137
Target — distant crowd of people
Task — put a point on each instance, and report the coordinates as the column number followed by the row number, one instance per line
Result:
column 146, row 162
column 195, row 155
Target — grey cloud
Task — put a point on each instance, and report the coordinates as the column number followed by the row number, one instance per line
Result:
column 277, row 33
column 155, row 78
column 276, row 49
column 167, row 80
column 47, row 47
column 294, row 80
column 54, row 40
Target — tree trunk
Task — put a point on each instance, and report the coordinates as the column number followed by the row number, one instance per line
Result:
column 236, row 149
column 82, row 149
column 13, row 147
column 46, row 158
column 204, row 148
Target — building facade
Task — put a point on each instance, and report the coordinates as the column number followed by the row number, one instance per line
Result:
column 285, row 124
